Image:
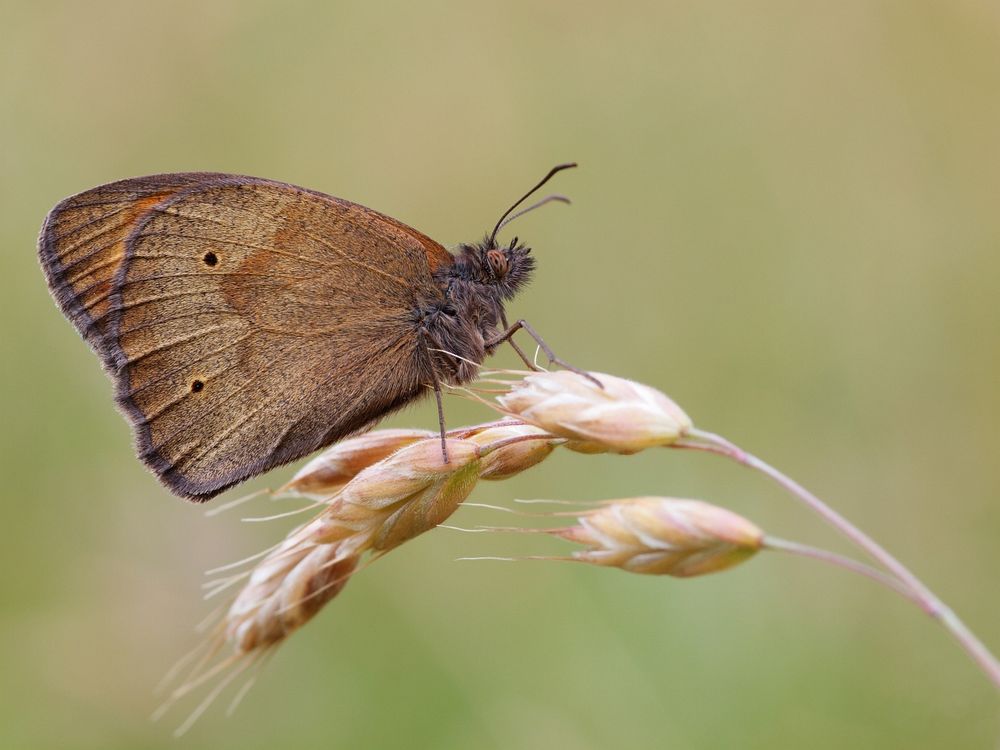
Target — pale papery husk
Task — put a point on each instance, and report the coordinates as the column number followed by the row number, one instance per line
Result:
column 286, row 591
column 512, row 447
column 621, row 417
column 408, row 471
column 326, row 474
column 384, row 506
column 664, row 536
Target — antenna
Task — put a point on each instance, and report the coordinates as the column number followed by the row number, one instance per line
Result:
column 547, row 199
column 546, row 178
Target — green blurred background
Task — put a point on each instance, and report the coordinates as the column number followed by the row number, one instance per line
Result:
column 785, row 217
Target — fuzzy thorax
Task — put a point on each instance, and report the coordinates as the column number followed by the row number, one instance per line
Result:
column 468, row 323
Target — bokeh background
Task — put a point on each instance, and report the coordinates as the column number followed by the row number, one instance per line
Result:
column 785, row 217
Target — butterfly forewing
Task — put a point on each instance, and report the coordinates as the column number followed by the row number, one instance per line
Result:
column 252, row 322
column 82, row 246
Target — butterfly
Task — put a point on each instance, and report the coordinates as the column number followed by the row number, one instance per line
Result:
column 247, row 322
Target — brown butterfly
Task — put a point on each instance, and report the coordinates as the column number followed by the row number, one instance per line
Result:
column 247, row 322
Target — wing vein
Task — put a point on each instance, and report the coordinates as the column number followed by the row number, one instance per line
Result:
column 216, row 405
column 160, row 321
column 173, row 211
column 218, row 439
column 221, row 240
column 175, row 342
column 135, row 391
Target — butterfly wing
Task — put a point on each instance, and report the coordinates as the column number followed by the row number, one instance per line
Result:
column 245, row 322
column 82, row 246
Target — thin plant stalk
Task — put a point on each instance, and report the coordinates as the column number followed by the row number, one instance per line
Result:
column 922, row 595
column 815, row 553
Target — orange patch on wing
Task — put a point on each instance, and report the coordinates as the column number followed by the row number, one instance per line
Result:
column 92, row 274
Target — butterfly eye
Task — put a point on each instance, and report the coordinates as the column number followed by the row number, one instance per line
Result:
column 498, row 263
column 210, row 258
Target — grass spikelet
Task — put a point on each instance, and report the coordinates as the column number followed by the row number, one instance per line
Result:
column 512, row 447
column 663, row 536
column 326, row 474
column 382, row 506
column 288, row 588
column 621, row 417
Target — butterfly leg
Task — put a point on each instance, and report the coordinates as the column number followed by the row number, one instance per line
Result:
column 524, row 357
column 553, row 359
column 441, row 425
column 436, row 382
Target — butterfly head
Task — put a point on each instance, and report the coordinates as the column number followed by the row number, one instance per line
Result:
column 503, row 269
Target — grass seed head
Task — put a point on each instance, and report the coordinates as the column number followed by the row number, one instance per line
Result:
column 258, row 619
column 338, row 464
column 288, row 587
column 510, row 448
column 426, row 509
column 409, row 492
column 664, row 536
column 408, row 472
column 621, row 417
